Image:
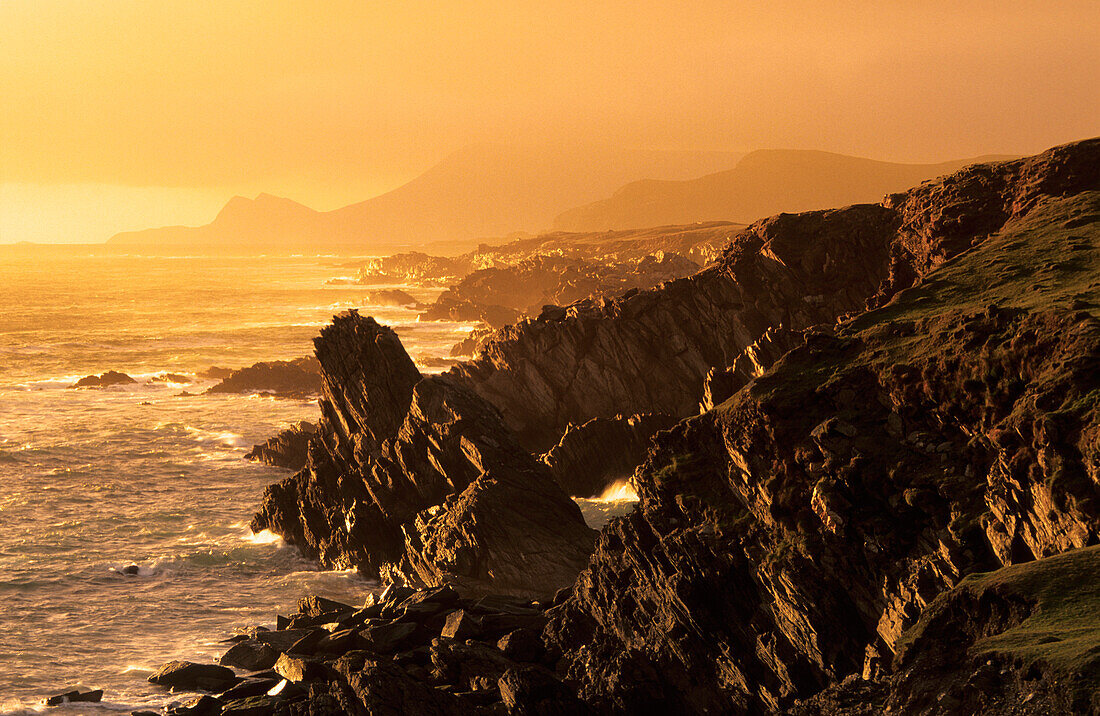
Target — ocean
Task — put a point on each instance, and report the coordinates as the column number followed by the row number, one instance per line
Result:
column 92, row 481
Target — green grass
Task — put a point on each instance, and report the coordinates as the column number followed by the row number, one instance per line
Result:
column 1064, row 627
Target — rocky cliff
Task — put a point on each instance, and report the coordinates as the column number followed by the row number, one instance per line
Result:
column 418, row 479
column 787, row 538
column 650, row 351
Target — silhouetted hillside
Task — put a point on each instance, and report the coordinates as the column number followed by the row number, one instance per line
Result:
column 479, row 192
column 763, row 183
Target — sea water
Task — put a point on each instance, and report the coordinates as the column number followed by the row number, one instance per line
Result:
column 152, row 473
column 92, row 481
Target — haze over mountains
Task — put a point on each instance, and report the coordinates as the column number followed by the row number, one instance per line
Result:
column 479, row 192
column 489, row 191
column 764, row 182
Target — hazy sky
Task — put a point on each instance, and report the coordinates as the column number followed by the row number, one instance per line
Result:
column 119, row 114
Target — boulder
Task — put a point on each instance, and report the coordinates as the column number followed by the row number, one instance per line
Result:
column 189, row 676
column 104, row 380
column 250, row 655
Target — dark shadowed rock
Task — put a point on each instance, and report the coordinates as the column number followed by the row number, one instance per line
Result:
column 73, row 697
column 189, row 676
column 788, row 537
column 418, row 480
column 104, row 380
column 250, row 655
column 204, row 705
column 289, row 449
column 299, row 378
column 591, row 457
column 529, row 690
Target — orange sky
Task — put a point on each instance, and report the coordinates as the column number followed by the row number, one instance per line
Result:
column 120, row 114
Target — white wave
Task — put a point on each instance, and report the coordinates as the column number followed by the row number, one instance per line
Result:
column 262, row 537
column 619, row 491
column 224, row 437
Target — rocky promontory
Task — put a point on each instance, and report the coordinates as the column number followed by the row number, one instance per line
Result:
column 418, row 479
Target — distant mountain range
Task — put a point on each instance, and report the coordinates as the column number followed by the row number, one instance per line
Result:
column 492, row 191
column 481, row 192
column 763, row 183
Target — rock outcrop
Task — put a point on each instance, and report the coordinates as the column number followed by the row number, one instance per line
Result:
column 289, row 449
column 499, row 295
column 104, row 380
column 298, row 378
column 650, row 351
column 1023, row 639
column 417, row 479
column 592, row 457
column 786, row 539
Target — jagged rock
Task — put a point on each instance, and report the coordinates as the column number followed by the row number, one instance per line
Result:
column 417, row 479
column 298, row 378
column 650, row 351
column 790, row 533
column 289, row 449
column 471, row 665
column 384, row 688
column 591, row 457
column 190, row 676
column 104, row 380
column 721, row 383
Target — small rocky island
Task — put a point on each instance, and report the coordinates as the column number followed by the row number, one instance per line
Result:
column 866, row 443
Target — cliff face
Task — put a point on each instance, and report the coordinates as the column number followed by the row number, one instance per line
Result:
column 418, row 479
column 787, row 538
column 651, row 351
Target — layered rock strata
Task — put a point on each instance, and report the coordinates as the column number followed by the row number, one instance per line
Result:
column 787, row 538
column 650, row 351
column 417, row 478
column 592, row 457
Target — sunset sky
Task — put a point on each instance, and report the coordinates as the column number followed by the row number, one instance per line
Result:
column 124, row 114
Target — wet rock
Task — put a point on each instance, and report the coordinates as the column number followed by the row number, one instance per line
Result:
column 170, row 378
column 189, row 676
column 252, row 706
column 104, row 380
column 250, row 655
column 249, row 687
column 72, row 697
column 299, row 378
column 201, row 706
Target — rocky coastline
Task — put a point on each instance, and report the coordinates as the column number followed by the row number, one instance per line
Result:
column 865, row 442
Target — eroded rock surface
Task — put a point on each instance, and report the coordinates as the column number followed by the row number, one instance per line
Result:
column 289, row 449
column 786, row 539
column 651, row 351
column 417, row 478
column 592, row 457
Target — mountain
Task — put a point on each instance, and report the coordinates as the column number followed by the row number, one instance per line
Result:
column 763, row 183
column 479, row 192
